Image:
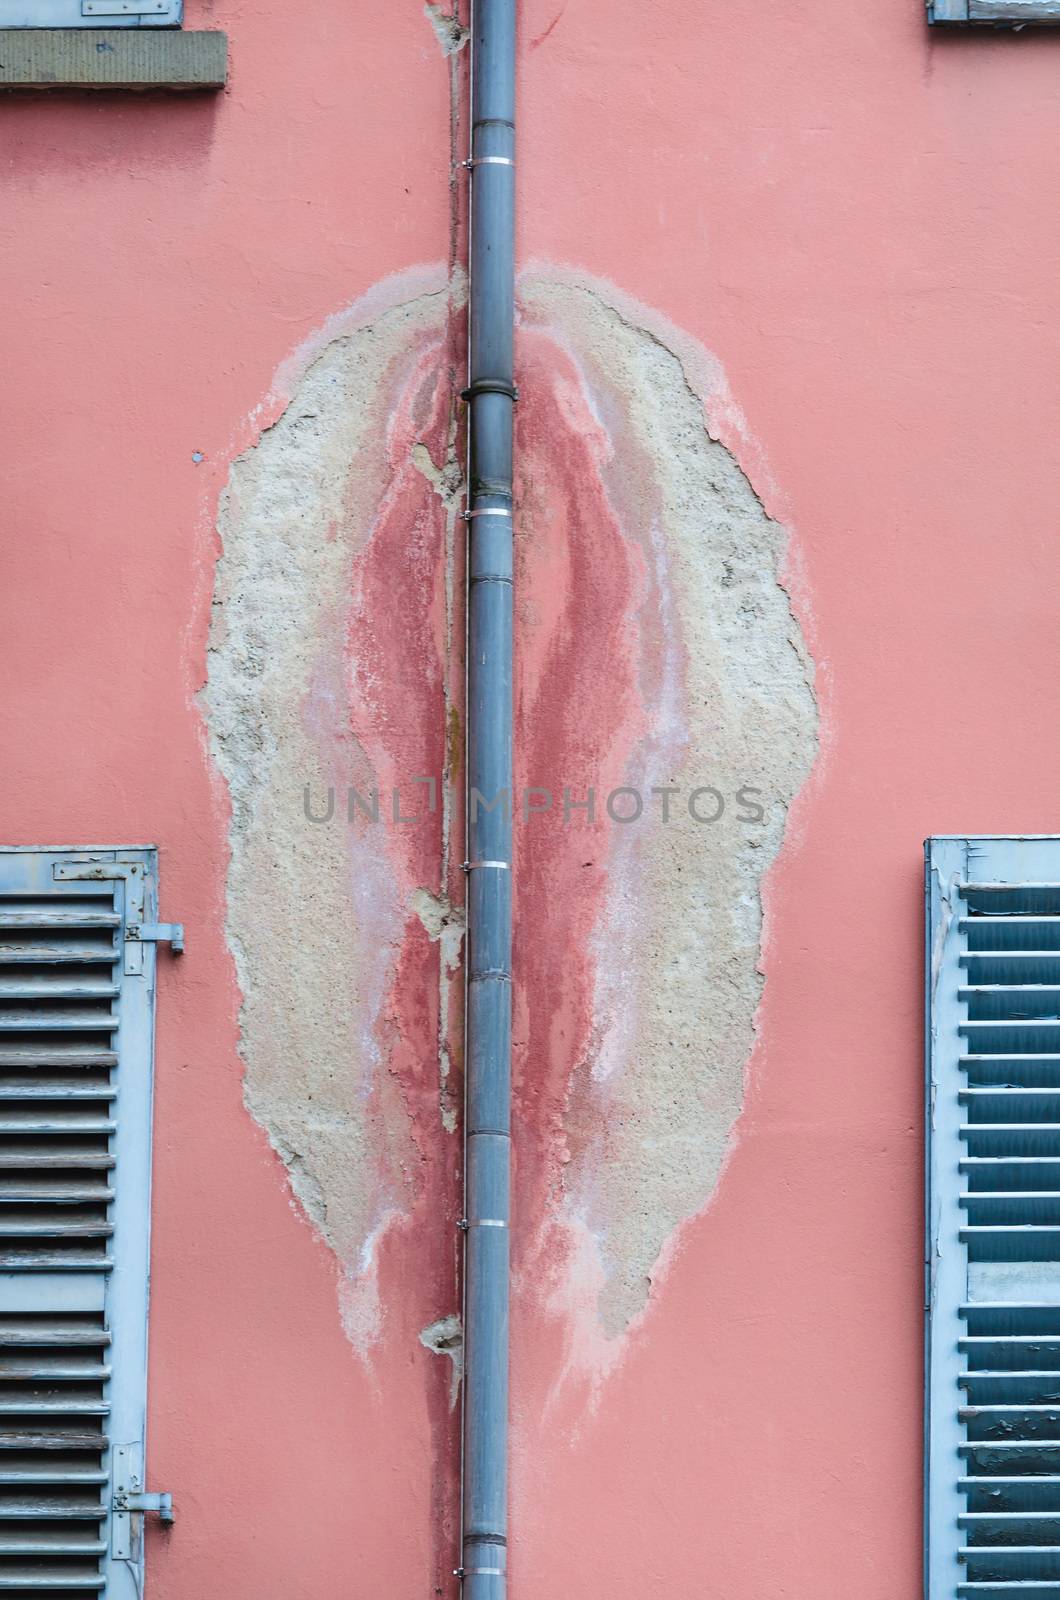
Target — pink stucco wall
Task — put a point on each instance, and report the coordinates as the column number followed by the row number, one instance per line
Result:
column 857, row 219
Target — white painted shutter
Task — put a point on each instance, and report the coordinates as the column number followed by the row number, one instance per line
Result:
column 993, row 1219
column 76, row 1052
column 91, row 13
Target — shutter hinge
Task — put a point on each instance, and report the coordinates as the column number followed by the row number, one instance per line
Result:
column 130, row 1501
column 171, row 933
column 162, row 1503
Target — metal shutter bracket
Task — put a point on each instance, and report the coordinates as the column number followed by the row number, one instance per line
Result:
column 171, row 933
column 131, row 1501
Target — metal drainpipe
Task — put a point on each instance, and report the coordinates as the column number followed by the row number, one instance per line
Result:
column 487, row 1137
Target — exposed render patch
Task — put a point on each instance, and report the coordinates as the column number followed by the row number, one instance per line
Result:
column 440, row 919
column 706, row 681
column 446, row 1338
column 656, row 646
column 296, row 701
column 444, row 925
column 449, row 30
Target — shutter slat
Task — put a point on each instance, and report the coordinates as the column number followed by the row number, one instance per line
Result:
column 1009, row 1591
column 1021, row 1205
column 29, row 1055
column 991, row 1562
column 22, row 1577
column 997, row 1031
column 987, row 1174
column 1016, row 1355
column 1012, row 1243
column 51, row 1191
column 57, row 918
column 44, row 1404
column 45, row 1330
column 42, row 1506
column 37, row 1086
column 1035, row 1104
column 1028, row 967
column 54, row 1373
column 1009, row 1139
column 41, row 1469
column 49, row 1541
column 56, row 983
column 43, row 1228
column 65, row 1020
column 22, row 952
column 1016, row 1527
column 56, row 1155
column 48, row 1261
column 55, row 1439
column 75, row 1120
column 1017, row 1388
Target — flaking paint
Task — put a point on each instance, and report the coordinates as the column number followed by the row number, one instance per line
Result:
column 656, row 648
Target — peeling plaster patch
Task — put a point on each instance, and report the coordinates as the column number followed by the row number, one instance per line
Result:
column 656, row 646
column 446, row 1338
column 444, row 925
column 439, row 918
column 448, row 29
column 427, row 280
column 716, row 687
column 317, row 913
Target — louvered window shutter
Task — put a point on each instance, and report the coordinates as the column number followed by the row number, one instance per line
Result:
column 993, row 1219
column 76, row 1048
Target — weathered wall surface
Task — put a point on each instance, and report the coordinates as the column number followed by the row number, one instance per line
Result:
column 660, row 667
column 787, row 362
column 665, row 721
column 328, row 666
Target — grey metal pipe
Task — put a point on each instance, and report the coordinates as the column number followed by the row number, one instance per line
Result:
column 487, row 1124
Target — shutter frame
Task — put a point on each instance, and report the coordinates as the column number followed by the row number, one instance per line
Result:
column 122, row 882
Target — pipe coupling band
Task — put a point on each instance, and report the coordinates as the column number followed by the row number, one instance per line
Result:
column 479, row 386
